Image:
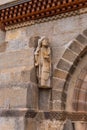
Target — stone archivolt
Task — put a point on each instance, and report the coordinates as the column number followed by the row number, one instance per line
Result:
column 37, row 9
column 67, row 65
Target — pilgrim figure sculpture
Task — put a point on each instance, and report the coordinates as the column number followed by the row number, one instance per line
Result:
column 42, row 56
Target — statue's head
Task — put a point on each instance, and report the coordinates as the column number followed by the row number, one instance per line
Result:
column 43, row 41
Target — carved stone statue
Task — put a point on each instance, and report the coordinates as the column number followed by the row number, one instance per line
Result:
column 43, row 62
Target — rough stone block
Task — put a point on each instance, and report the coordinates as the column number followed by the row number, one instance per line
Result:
column 3, row 47
column 32, row 97
column 13, row 34
column 82, row 75
column 85, row 32
column 19, row 74
column 57, row 52
column 13, row 97
column 75, row 47
column 64, row 65
column 28, row 75
column 79, row 125
column 19, row 97
column 56, row 95
column 15, row 123
column 81, row 39
column 58, row 83
column 60, row 74
column 57, row 105
column 69, row 55
column 30, row 124
column 45, row 99
column 16, row 59
column 34, row 41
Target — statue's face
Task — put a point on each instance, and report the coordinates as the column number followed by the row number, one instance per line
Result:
column 45, row 42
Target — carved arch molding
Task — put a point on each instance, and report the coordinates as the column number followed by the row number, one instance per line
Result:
column 66, row 67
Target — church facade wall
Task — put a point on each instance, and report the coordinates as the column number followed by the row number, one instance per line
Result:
column 25, row 106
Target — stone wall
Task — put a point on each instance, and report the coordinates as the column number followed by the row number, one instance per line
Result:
column 60, row 32
column 18, row 88
column 14, row 123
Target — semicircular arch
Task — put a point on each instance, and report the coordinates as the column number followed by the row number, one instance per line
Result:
column 67, row 65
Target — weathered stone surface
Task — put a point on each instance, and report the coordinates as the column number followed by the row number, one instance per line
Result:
column 56, row 31
column 15, row 66
column 58, row 34
column 16, row 59
column 64, row 65
column 56, row 105
column 56, row 95
column 27, row 75
column 30, row 124
column 49, row 125
column 60, row 74
column 33, row 42
column 57, row 52
column 7, row 123
column 43, row 62
column 76, row 82
column 82, row 75
column 32, row 97
column 80, row 125
column 85, row 32
column 69, row 55
column 19, row 97
column 82, row 39
column 58, row 83
column 18, row 74
column 18, row 44
column 45, row 99
column 13, row 97
column 76, row 47
column 3, row 46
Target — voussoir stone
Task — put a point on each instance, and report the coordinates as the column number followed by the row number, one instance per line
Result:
column 58, row 83
column 82, row 39
column 69, row 55
column 56, row 95
column 64, row 65
column 60, row 74
column 76, row 47
column 85, row 32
